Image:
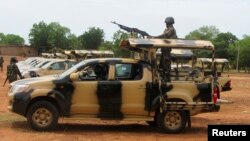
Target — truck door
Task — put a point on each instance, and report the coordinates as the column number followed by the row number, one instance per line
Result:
column 133, row 80
column 109, row 99
column 95, row 94
column 84, row 98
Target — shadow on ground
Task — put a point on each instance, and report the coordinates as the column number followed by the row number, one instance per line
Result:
column 78, row 128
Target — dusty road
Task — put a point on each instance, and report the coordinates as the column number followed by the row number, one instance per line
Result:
column 15, row 128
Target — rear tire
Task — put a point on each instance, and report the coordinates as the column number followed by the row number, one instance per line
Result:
column 42, row 116
column 172, row 121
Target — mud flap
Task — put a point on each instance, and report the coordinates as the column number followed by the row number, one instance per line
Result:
column 188, row 119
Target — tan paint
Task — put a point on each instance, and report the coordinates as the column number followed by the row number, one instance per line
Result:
column 49, row 72
column 84, row 98
column 133, row 96
column 185, row 91
column 170, row 43
column 223, row 80
column 40, row 92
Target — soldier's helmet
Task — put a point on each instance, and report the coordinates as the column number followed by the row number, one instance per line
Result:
column 169, row 20
column 13, row 60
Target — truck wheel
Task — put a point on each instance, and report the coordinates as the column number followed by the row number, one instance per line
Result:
column 42, row 116
column 171, row 121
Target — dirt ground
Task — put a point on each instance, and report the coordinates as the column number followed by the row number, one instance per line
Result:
column 15, row 128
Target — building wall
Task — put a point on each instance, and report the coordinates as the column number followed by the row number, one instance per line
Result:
column 25, row 51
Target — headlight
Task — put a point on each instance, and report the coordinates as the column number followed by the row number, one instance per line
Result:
column 19, row 88
column 32, row 74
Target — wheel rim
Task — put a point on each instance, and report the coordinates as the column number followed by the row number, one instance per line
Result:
column 172, row 120
column 42, row 117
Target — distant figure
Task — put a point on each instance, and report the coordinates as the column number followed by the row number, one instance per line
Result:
column 1, row 63
column 13, row 71
column 165, row 61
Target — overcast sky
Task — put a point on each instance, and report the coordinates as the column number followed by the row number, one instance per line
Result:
column 18, row 16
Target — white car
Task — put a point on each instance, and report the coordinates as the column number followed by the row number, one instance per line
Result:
column 29, row 63
column 55, row 66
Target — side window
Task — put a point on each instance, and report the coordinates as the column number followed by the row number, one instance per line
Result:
column 123, row 70
column 58, row 66
column 71, row 64
column 128, row 71
column 94, row 72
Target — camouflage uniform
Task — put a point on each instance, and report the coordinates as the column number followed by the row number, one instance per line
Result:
column 1, row 63
column 165, row 61
column 13, row 71
column 168, row 33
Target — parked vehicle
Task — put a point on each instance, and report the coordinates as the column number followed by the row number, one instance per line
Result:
column 118, row 89
column 222, row 66
column 54, row 66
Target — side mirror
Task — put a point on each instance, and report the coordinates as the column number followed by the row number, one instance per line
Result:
column 49, row 68
column 74, row 76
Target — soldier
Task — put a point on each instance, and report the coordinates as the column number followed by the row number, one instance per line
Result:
column 1, row 63
column 100, row 72
column 13, row 71
column 165, row 61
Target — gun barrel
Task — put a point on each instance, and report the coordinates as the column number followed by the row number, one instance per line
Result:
column 131, row 30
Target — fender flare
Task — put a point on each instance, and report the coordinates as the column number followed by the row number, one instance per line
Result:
column 61, row 101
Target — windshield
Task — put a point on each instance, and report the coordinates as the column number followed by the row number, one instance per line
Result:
column 49, row 63
column 44, row 63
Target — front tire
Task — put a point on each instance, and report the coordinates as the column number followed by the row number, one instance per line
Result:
column 42, row 116
column 172, row 121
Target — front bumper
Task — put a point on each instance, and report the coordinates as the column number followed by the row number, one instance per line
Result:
column 10, row 102
column 17, row 103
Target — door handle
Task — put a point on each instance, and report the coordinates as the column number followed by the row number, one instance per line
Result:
column 142, row 87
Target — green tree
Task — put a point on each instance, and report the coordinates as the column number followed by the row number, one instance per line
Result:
column 38, row 36
column 106, row 45
column 11, row 39
column 2, row 38
column 58, row 36
column 243, row 46
column 222, row 43
column 118, row 51
column 74, row 42
column 92, row 38
column 203, row 33
column 49, row 36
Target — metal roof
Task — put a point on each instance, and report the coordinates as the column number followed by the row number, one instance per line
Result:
column 167, row 43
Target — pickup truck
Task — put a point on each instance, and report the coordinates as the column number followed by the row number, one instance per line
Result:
column 117, row 89
column 224, row 81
